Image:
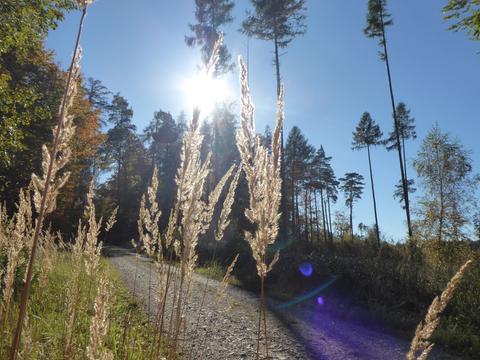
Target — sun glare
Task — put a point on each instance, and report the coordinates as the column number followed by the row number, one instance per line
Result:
column 204, row 92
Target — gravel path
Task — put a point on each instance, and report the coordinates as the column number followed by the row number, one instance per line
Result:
column 228, row 330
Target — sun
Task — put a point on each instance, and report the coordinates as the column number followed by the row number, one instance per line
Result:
column 203, row 92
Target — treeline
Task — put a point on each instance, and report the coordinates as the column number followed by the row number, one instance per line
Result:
column 109, row 148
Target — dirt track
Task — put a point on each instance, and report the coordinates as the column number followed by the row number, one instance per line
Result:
column 228, row 331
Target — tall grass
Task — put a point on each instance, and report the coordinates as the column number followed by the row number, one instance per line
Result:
column 47, row 185
column 421, row 345
column 72, row 306
column 262, row 170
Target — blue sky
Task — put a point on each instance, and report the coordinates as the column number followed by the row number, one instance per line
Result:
column 332, row 75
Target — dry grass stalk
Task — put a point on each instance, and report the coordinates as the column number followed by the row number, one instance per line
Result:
column 148, row 227
column 224, row 219
column 192, row 215
column 262, row 171
column 92, row 248
column 72, row 290
column 82, row 4
column 17, row 233
column 421, row 345
column 148, row 218
column 48, row 255
column 99, row 324
column 112, row 220
column 47, row 185
column 222, row 289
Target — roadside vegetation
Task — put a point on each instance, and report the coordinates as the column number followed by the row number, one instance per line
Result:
column 259, row 214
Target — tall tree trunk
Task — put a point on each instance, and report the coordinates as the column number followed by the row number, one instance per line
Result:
column 351, row 219
column 316, row 215
column 293, row 201
column 442, row 199
column 377, row 231
column 330, row 219
column 283, row 201
column 311, row 215
column 397, row 131
column 306, row 215
column 323, row 218
column 297, row 218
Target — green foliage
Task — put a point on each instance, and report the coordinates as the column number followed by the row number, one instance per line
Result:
column 393, row 286
column 445, row 170
column 27, row 73
column 211, row 15
column 276, row 20
column 406, row 128
column 352, row 185
column 466, row 16
column 377, row 19
column 216, row 271
column 367, row 133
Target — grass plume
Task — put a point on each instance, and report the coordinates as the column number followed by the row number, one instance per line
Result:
column 262, row 170
column 421, row 345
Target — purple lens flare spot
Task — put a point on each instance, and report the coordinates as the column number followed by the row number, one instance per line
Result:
column 306, row 269
column 320, row 300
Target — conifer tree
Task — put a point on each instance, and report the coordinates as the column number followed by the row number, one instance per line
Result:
column 211, row 16
column 352, row 186
column 406, row 125
column 466, row 14
column 366, row 135
column 279, row 21
column 377, row 20
column 298, row 153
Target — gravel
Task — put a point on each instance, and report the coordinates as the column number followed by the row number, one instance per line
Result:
column 228, row 329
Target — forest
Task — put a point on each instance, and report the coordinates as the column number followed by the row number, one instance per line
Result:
column 201, row 235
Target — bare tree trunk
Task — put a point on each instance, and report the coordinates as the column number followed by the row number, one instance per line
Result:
column 311, row 214
column 397, row 131
column 351, row 219
column 323, row 218
column 297, row 217
column 294, row 218
column 330, row 219
column 442, row 200
column 306, row 215
column 316, row 215
column 377, row 231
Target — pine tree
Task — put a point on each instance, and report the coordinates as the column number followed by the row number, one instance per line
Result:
column 279, row 21
column 366, row 135
column 298, row 153
column 352, row 186
column 332, row 196
column 98, row 95
column 163, row 137
column 211, row 16
column 406, row 126
column 321, row 167
column 119, row 151
column 377, row 20
column 466, row 14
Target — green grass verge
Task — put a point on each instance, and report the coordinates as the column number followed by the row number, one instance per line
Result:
column 131, row 336
column 214, row 270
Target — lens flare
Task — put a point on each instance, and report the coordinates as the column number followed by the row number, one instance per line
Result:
column 308, row 295
column 320, row 300
column 306, row 269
